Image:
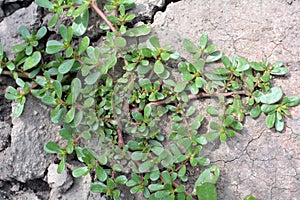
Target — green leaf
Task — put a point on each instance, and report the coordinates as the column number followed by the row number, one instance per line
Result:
column 166, row 176
column 228, row 120
column 215, row 126
column 80, row 10
column 221, row 71
column 154, row 175
column 135, row 189
column 137, row 116
column 54, row 20
column 101, row 174
column 98, row 187
column 41, row 33
column 180, row 87
column 119, row 42
column 32, row 61
column 270, row 120
column 18, row 110
column 19, row 47
column 80, row 23
column 255, row 111
column 164, row 75
column 138, row 155
column 58, row 88
column 212, row 111
column 277, row 64
column 92, row 78
column 214, row 56
column 257, row 66
column 241, row 68
column 75, row 89
column 266, row 108
column 226, row 61
column 203, row 41
column 85, row 42
column 63, row 32
column 138, row 31
column 250, row 197
column 61, row 166
column 54, row 46
column 266, row 77
column 110, row 184
column 57, row 114
column 20, row 82
column 49, row 100
column 66, row 133
column 279, row 71
column 155, row 187
column 290, row 101
column 129, row 17
column 230, row 133
column 66, row 66
column 159, row 67
column 189, row 46
column 24, row 32
column 200, row 82
column 153, row 42
column 165, row 56
column 190, row 111
column 70, row 115
column 121, row 180
column 146, row 166
column 210, row 48
column 44, row 4
column 216, row 77
column 210, row 175
column 273, row 96
column 80, row 171
column 161, row 194
column 147, row 111
column 52, row 147
column 206, row 191
column 238, row 126
column 279, row 124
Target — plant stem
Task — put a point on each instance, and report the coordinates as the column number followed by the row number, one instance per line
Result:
column 193, row 97
column 120, row 135
column 102, row 15
column 20, row 74
column 224, row 94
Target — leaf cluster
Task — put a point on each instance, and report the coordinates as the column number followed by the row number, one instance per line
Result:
column 119, row 94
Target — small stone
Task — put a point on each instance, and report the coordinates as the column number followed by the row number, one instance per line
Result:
column 62, row 182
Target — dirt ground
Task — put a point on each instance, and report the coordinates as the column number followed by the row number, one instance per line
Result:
column 258, row 161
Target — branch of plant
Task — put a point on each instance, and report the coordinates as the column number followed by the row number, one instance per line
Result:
column 192, row 97
column 21, row 75
column 102, row 15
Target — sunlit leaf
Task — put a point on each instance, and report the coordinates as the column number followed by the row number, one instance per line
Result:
column 273, row 96
column 32, row 61
column 138, row 31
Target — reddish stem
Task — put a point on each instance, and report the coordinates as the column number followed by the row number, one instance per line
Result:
column 102, row 15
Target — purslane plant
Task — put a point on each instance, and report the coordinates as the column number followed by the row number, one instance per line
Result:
column 119, row 94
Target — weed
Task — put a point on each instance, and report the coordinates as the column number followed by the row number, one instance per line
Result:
column 120, row 93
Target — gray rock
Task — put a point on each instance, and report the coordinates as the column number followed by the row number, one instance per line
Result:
column 80, row 189
column 4, row 136
column 1, row 14
column 61, row 182
column 9, row 34
column 26, row 196
column 258, row 161
column 145, row 8
column 25, row 159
